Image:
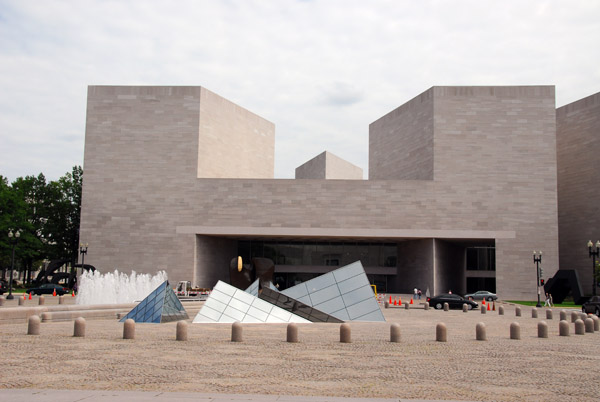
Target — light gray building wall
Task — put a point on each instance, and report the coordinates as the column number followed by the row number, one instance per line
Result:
column 145, row 208
column 328, row 166
column 578, row 139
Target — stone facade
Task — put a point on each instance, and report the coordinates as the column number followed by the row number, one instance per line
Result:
column 486, row 172
column 328, row 166
column 578, row 140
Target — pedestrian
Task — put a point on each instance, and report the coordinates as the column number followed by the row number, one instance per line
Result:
column 419, row 293
column 415, row 293
column 547, row 302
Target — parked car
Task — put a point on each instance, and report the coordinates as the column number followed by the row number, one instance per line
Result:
column 592, row 306
column 48, row 289
column 453, row 300
column 3, row 287
column 481, row 295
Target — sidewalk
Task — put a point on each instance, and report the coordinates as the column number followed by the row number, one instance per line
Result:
column 33, row 395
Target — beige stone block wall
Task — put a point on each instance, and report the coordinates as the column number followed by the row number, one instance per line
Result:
column 328, row 166
column 233, row 142
column 578, row 141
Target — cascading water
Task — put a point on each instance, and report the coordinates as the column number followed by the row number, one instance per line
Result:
column 116, row 287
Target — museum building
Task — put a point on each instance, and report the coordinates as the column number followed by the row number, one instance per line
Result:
column 462, row 187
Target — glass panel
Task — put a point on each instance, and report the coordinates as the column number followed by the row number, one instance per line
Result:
column 233, row 313
column 239, row 305
column 362, row 308
column 358, row 295
column 331, row 305
column 348, row 271
column 324, row 295
column 258, row 314
column 353, row 283
column 320, row 282
column 210, row 313
column 243, row 296
column 374, row 316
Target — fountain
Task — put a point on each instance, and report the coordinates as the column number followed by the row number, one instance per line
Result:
column 116, row 287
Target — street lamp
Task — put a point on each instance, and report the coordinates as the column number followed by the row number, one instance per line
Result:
column 13, row 238
column 538, row 260
column 593, row 255
column 83, row 252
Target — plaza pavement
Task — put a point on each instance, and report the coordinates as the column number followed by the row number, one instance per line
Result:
column 208, row 367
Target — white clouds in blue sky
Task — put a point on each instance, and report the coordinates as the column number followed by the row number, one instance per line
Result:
column 320, row 70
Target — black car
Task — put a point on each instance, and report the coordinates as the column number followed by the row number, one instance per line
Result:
column 3, row 287
column 48, row 289
column 454, row 301
column 592, row 306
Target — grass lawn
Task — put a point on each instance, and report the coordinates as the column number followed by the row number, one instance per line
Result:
column 566, row 304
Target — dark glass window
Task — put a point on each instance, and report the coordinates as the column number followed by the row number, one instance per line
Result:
column 481, row 258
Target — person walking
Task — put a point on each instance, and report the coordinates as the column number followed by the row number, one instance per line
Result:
column 547, row 302
column 415, row 294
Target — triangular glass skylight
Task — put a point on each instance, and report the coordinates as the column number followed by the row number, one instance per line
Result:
column 162, row 305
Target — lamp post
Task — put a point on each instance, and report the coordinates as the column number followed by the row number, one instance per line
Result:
column 83, row 252
column 537, row 259
column 593, row 255
column 13, row 238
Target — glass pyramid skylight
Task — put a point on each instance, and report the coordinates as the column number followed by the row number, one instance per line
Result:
column 162, row 305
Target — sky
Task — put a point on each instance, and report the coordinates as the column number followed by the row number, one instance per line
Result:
column 320, row 70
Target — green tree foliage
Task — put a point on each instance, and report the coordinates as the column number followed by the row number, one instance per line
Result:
column 47, row 213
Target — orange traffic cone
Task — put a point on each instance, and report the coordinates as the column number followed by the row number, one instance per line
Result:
column 395, row 302
column 29, row 296
column 483, row 301
column 54, row 293
column 25, row 296
column 73, row 294
column 399, row 301
column 390, row 299
column 488, row 309
column 411, row 301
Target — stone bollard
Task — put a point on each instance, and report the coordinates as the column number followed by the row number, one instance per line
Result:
column 446, row 307
column 480, row 333
column 2, row 299
column 21, row 301
column 483, row 309
column 596, row 323
column 406, row 306
column 517, row 311
column 534, row 312
column 42, row 300
column 589, row 325
column 292, row 332
column 563, row 315
column 441, row 332
column 542, row 329
column 61, row 299
column 465, row 308
column 33, row 325
column 79, row 327
column 426, row 305
column 515, row 331
column 395, row 333
column 129, row 329
column 579, row 327
column 181, row 331
column 548, row 314
column 501, row 310
column 386, row 304
column 574, row 316
column 345, row 333
column 582, row 316
column 563, row 328
column 237, row 332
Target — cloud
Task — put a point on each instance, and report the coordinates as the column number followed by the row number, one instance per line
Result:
column 320, row 70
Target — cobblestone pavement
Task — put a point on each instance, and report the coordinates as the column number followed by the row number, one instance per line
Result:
column 499, row 369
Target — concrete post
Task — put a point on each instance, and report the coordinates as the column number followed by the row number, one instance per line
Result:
column 480, row 332
column 501, row 310
column 563, row 315
column 386, row 304
column 589, row 325
column 563, row 327
column 517, row 311
column 542, row 329
column 596, row 323
column 441, row 332
column 534, row 313
column 345, row 333
column 406, row 306
column 465, row 308
column 79, row 327
column 33, row 325
column 2, row 299
column 181, row 331
column 548, row 314
column 574, row 316
column 426, row 305
column 446, row 307
column 21, row 301
column 582, row 316
column 42, row 300
column 292, row 332
column 483, row 309
column 61, row 299
column 129, row 329
column 395, row 333
column 237, row 332
column 579, row 327
column 515, row 331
